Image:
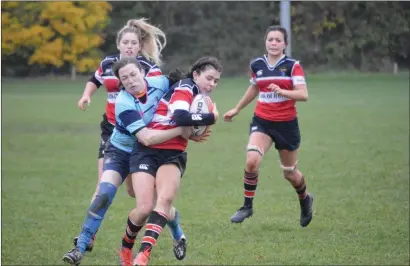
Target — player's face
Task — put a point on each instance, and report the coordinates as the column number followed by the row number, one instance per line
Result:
column 207, row 80
column 129, row 45
column 275, row 43
column 132, row 78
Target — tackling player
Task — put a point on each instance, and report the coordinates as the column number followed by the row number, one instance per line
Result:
column 279, row 81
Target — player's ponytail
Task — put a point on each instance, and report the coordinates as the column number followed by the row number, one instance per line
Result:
column 152, row 39
column 204, row 62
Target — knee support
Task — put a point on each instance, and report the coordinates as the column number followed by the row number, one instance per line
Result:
column 289, row 168
column 103, row 200
column 255, row 148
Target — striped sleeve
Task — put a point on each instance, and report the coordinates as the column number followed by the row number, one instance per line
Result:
column 182, row 97
column 297, row 74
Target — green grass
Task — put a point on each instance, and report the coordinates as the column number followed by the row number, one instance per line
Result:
column 354, row 153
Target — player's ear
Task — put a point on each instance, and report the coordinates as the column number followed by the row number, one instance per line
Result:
column 195, row 75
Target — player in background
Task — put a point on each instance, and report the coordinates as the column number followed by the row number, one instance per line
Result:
column 279, row 81
column 137, row 39
column 134, row 108
column 159, row 168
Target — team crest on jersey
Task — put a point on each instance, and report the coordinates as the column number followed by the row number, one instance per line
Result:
column 283, row 71
column 259, row 73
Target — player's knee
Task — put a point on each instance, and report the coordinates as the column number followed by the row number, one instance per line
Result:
column 165, row 200
column 289, row 172
column 253, row 158
column 103, row 199
column 144, row 208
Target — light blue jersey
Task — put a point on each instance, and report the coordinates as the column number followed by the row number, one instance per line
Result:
column 131, row 115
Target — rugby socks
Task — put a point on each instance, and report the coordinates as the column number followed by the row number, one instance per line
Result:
column 95, row 214
column 153, row 229
column 131, row 233
column 250, row 182
column 301, row 189
column 173, row 225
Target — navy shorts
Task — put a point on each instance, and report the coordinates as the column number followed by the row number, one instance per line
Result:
column 116, row 160
column 285, row 134
column 106, row 131
column 148, row 160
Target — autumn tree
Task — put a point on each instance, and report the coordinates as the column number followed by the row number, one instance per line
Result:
column 55, row 33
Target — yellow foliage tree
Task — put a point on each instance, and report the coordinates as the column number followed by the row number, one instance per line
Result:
column 55, row 32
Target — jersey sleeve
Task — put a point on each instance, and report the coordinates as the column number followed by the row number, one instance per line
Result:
column 181, row 99
column 150, row 68
column 297, row 74
column 99, row 72
column 153, row 71
column 130, row 118
column 252, row 73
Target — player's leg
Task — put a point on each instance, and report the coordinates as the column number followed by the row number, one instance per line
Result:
column 100, row 166
column 288, row 141
column 112, row 177
column 129, row 186
column 143, row 168
column 144, row 188
column 179, row 239
column 259, row 143
column 106, row 131
column 167, row 184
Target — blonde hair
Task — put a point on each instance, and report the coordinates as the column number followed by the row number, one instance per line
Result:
column 149, row 37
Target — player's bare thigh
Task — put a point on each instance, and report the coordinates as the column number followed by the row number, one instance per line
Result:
column 130, row 188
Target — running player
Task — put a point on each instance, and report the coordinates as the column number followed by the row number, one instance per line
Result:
column 279, row 81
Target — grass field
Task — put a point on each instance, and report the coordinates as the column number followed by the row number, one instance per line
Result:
column 354, row 154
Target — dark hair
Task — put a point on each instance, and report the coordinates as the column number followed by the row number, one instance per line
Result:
column 175, row 76
column 122, row 63
column 204, row 62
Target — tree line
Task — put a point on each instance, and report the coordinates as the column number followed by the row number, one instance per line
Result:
column 40, row 38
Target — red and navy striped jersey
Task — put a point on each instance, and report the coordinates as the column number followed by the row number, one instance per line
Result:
column 179, row 97
column 286, row 74
column 104, row 75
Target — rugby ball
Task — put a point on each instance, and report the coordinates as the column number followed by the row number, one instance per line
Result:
column 201, row 104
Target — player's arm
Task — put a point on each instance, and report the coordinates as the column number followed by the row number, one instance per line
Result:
column 150, row 137
column 132, row 121
column 248, row 97
column 299, row 92
column 250, row 93
column 90, row 88
column 179, row 105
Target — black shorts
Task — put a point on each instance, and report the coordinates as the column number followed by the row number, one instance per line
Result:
column 106, row 131
column 285, row 134
column 116, row 160
column 148, row 160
